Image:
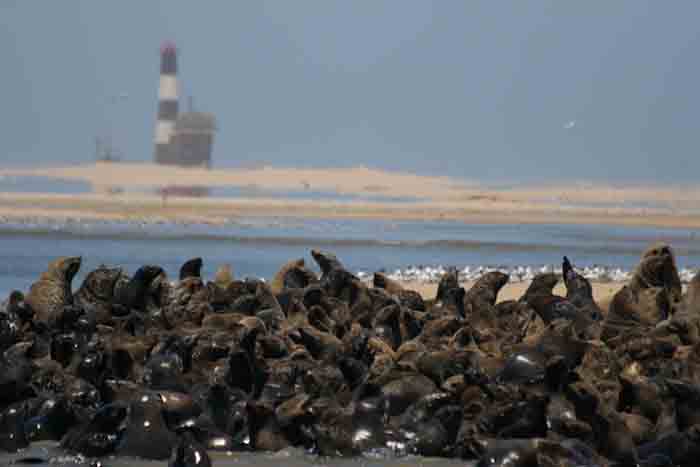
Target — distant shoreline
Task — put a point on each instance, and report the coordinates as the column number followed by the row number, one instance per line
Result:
column 373, row 194
column 217, row 211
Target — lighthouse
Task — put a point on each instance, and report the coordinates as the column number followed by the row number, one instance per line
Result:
column 167, row 105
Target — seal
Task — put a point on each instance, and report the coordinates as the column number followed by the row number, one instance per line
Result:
column 653, row 293
column 16, row 370
column 542, row 284
column 12, row 433
column 448, row 281
column 134, row 295
column 53, row 291
column 484, row 292
column 383, row 281
column 292, row 275
column 579, row 291
column 100, row 436
column 327, row 262
column 223, row 276
column 408, row 298
column 191, row 268
column 342, row 366
column 97, row 292
column 15, row 305
column 51, row 422
column 189, row 453
column 146, row 435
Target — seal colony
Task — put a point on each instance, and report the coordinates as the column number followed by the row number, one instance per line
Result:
column 136, row 365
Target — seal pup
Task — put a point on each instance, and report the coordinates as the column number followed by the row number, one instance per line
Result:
column 53, row 291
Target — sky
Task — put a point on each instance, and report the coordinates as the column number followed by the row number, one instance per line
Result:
column 502, row 90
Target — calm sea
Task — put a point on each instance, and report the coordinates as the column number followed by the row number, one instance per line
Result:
column 256, row 247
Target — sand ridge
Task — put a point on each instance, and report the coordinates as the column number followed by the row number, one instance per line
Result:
column 379, row 195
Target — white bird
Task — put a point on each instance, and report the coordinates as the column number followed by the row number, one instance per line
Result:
column 570, row 125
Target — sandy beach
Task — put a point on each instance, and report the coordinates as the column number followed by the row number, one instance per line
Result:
column 602, row 291
column 378, row 194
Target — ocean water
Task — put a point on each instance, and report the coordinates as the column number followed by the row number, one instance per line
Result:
column 258, row 247
column 30, row 184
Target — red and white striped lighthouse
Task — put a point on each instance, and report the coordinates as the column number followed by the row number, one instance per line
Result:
column 167, row 104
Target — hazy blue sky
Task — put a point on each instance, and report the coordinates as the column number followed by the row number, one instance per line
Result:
column 479, row 89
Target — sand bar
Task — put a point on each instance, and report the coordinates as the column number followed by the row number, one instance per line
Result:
column 19, row 206
column 382, row 195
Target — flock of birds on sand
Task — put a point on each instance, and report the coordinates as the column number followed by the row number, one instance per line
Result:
column 142, row 366
column 432, row 274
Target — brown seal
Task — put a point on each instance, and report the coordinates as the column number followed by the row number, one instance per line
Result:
column 651, row 296
column 224, row 276
column 293, row 274
column 53, row 289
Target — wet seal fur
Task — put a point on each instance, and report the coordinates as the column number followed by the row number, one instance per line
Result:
column 339, row 366
column 53, row 291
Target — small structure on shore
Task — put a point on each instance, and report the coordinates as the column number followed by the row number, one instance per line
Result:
column 192, row 140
